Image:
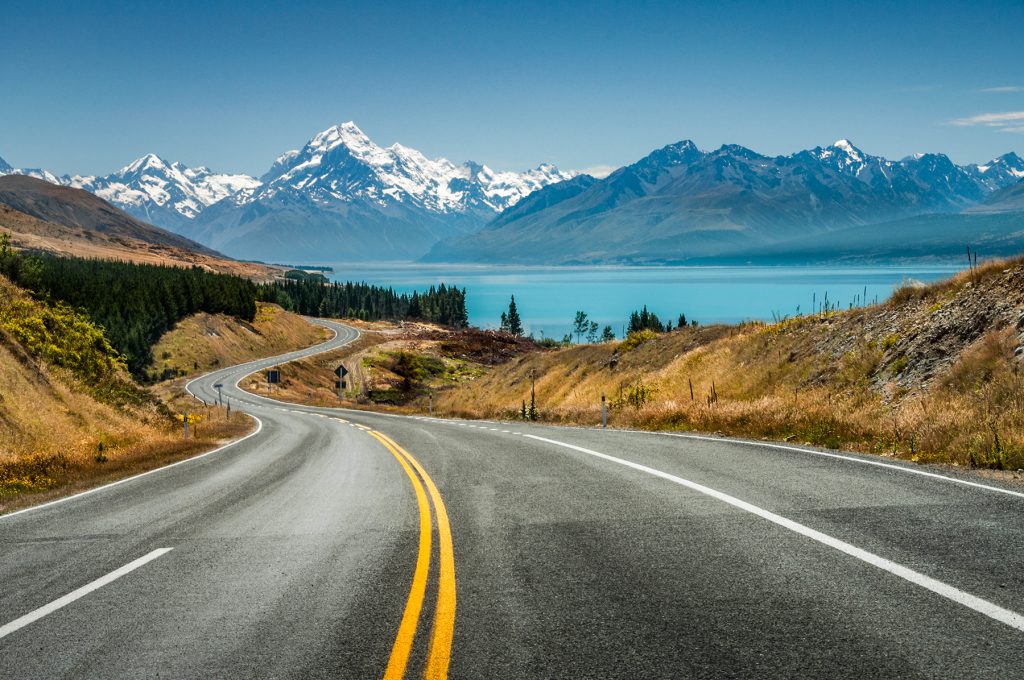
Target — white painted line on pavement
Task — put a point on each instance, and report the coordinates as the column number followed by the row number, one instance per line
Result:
column 838, row 456
column 993, row 611
column 259, row 427
column 37, row 614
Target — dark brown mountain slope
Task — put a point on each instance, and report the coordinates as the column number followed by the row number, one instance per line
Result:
column 78, row 208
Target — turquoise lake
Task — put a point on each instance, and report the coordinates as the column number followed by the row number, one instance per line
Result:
column 548, row 297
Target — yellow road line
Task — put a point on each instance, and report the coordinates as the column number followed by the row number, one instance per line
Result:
column 440, row 652
column 407, row 629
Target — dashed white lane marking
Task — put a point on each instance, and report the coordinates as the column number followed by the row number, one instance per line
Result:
column 993, row 611
column 37, row 614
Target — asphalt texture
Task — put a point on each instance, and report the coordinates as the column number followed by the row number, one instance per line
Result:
column 293, row 555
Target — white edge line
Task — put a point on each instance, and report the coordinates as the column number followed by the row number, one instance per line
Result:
column 39, row 613
column 259, row 428
column 993, row 611
column 838, row 456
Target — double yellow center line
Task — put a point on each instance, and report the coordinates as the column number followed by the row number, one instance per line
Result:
column 440, row 649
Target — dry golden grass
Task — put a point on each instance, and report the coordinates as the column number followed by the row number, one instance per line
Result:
column 204, row 342
column 57, row 439
column 856, row 379
column 57, row 436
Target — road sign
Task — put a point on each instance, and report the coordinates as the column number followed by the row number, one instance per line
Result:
column 341, row 371
column 339, row 384
column 274, row 376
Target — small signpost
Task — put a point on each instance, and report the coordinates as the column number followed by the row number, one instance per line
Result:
column 273, row 378
column 341, row 372
column 189, row 419
column 604, row 412
column 220, row 395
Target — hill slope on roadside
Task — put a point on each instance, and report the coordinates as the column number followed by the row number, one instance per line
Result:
column 63, row 221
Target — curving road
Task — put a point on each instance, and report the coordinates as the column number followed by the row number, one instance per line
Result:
column 349, row 544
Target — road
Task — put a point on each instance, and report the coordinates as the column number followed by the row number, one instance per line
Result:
column 351, row 544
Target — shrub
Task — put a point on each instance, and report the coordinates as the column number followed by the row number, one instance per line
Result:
column 635, row 339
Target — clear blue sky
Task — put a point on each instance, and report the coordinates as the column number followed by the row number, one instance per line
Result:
column 88, row 86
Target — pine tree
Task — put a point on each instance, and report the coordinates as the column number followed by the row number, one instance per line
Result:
column 515, row 324
column 414, row 311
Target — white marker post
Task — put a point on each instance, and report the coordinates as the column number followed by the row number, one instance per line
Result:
column 604, row 413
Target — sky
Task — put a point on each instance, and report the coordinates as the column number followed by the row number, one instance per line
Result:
column 87, row 86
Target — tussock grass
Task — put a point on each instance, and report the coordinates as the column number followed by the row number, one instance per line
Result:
column 897, row 379
column 204, row 342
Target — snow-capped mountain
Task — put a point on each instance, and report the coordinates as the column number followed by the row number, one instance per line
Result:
column 162, row 193
column 165, row 194
column 343, row 164
column 5, row 167
column 1000, row 172
column 680, row 203
column 342, row 194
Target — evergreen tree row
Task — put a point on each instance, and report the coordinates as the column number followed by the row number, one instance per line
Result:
column 134, row 303
column 442, row 304
column 644, row 320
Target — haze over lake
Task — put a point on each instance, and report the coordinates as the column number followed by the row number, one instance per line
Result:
column 548, row 297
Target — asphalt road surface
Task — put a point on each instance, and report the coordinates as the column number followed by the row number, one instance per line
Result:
column 348, row 544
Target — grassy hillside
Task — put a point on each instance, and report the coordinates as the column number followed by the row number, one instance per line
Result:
column 32, row 233
column 932, row 375
column 204, row 342
column 70, row 415
column 71, row 207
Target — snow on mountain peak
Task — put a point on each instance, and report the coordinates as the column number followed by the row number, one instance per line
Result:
column 847, row 147
column 149, row 161
column 396, row 174
column 5, row 167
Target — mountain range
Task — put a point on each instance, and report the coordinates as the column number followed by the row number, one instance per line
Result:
column 682, row 204
column 340, row 197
